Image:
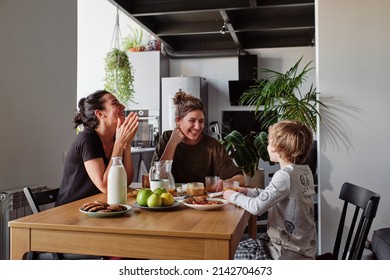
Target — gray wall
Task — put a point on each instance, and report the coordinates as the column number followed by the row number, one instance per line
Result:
column 38, row 54
column 353, row 58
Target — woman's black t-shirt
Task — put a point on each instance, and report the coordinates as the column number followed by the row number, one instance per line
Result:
column 76, row 183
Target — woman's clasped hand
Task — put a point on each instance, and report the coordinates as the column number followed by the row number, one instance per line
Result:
column 126, row 130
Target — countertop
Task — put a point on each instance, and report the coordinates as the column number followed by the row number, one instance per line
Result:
column 142, row 150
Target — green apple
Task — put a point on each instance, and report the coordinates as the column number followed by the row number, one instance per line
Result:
column 160, row 191
column 154, row 200
column 142, row 196
column 167, row 199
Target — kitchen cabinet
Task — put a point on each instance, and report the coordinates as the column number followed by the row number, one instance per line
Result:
column 149, row 68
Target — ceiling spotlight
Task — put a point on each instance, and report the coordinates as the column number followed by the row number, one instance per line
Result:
column 224, row 28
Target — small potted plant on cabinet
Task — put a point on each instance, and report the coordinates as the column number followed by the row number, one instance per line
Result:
column 133, row 41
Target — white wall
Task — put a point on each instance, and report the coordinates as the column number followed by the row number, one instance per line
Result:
column 353, row 58
column 96, row 22
column 38, row 54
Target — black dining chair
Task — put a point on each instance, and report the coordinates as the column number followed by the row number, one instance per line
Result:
column 365, row 204
column 39, row 201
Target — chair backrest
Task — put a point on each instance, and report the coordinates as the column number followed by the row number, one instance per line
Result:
column 41, row 198
column 365, row 204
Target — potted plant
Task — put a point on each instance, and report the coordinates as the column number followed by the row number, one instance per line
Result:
column 119, row 75
column 280, row 93
column 133, row 41
column 280, row 97
column 246, row 152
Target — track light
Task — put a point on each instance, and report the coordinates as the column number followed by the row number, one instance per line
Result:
column 224, row 28
column 313, row 42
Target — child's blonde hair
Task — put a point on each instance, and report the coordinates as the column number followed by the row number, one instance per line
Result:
column 291, row 139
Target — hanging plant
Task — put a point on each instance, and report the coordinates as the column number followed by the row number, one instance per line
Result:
column 119, row 75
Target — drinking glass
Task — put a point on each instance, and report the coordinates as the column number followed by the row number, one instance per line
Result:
column 231, row 185
column 210, row 183
column 145, row 181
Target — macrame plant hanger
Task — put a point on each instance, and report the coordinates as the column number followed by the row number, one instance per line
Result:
column 115, row 43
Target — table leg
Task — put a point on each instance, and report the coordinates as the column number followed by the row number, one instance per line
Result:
column 19, row 243
column 252, row 227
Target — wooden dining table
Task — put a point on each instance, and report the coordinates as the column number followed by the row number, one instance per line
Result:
column 175, row 233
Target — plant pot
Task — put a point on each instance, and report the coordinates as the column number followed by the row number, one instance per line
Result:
column 257, row 180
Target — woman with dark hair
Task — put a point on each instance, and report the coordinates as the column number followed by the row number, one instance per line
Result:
column 195, row 154
column 106, row 133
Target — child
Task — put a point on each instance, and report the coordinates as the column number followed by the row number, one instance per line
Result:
column 291, row 232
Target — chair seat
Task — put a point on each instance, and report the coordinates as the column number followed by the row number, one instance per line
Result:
column 381, row 244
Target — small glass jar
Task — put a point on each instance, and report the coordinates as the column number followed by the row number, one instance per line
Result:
column 195, row 188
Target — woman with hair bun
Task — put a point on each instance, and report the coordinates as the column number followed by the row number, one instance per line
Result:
column 106, row 133
column 195, row 154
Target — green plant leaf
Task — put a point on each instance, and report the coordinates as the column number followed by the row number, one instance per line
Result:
column 235, row 138
column 261, row 143
column 247, row 150
column 119, row 76
column 281, row 93
column 133, row 40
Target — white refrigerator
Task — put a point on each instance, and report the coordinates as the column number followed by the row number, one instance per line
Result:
column 196, row 86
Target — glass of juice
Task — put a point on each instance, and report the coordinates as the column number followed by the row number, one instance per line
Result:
column 231, row 185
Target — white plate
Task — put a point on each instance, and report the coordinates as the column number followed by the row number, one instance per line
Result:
column 107, row 214
column 175, row 204
column 180, row 198
column 214, row 194
column 207, row 206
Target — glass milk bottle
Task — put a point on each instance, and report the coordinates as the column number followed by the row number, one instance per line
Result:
column 117, row 182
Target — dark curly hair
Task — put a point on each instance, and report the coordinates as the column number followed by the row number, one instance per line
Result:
column 85, row 115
